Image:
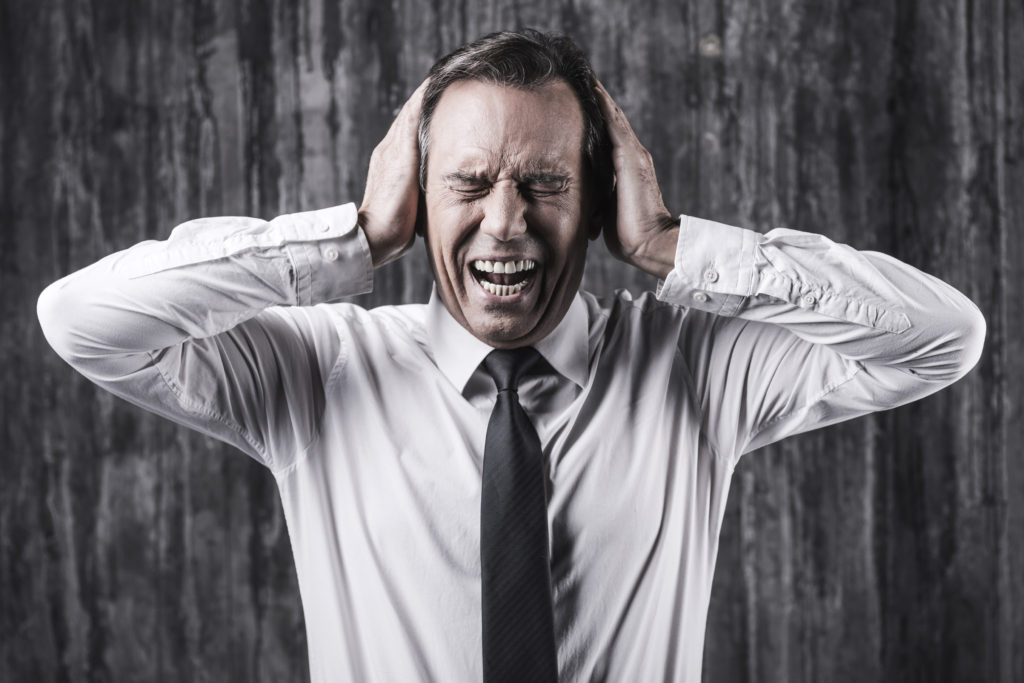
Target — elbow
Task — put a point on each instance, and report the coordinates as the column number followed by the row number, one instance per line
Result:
column 975, row 330
column 55, row 309
column 965, row 341
column 80, row 323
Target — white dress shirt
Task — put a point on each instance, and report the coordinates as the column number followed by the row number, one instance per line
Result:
column 373, row 421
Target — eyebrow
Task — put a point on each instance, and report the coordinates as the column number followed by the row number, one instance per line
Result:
column 465, row 177
column 538, row 177
column 545, row 178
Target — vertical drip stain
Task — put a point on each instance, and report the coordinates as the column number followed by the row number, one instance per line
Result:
column 113, row 121
column 333, row 36
column 255, row 42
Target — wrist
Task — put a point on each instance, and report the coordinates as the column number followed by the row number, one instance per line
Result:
column 657, row 254
column 382, row 250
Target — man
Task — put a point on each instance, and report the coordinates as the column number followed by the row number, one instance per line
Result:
column 426, row 546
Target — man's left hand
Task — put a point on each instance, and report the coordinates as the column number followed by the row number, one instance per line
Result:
column 643, row 233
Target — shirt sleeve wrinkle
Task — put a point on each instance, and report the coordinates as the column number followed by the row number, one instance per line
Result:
column 183, row 327
column 204, row 411
column 798, row 319
column 722, row 265
column 828, row 278
column 803, row 407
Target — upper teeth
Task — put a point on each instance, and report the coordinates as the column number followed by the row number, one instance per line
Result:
column 504, row 266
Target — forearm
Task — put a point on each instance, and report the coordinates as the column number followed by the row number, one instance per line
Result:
column 208, row 276
column 805, row 332
column 789, row 331
column 201, row 328
column 866, row 306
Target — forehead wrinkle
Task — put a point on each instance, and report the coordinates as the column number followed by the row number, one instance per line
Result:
column 522, row 164
column 473, row 161
column 548, row 169
column 481, row 163
column 548, row 163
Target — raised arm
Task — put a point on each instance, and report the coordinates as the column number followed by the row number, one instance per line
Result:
column 206, row 327
column 186, row 327
column 788, row 331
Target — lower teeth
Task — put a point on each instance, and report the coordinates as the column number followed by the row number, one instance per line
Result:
column 503, row 290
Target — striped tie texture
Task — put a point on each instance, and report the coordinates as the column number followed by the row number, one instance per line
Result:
column 518, row 615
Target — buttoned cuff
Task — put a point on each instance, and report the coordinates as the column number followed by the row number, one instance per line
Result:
column 713, row 269
column 329, row 254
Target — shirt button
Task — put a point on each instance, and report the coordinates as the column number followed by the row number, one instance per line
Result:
column 324, row 227
column 710, row 275
column 701, row 297
column 331, row 254
column 809, row 300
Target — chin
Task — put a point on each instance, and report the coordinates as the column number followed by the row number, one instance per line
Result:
column 502, row 333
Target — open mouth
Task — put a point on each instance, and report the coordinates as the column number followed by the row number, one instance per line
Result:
column 504, row 278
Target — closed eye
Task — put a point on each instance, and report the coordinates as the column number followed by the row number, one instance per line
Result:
column 541, row 190
column 543, row 185
column 470, row 191
column 469, row 185
column 531, row 186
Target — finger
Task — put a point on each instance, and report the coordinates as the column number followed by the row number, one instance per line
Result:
column 410, row 111
column 417, row 94
column 405, row 127
column 618, row 125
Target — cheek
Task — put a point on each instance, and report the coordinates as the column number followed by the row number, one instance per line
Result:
column 563, row 234
column 447, row 229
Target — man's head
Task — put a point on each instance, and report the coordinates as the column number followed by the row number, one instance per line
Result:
column 515, row 167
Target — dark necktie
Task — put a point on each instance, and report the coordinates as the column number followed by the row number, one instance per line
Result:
column 518, row 615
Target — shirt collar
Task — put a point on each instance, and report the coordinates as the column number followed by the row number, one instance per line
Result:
column 458, row 353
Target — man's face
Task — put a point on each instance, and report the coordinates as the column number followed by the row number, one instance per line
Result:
column 505, row 186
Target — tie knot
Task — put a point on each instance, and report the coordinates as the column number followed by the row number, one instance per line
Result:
column 507, row 366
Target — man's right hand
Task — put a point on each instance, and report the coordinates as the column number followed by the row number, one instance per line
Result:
column 388, row 212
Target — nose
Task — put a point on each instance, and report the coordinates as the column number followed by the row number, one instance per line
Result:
column 504, row 212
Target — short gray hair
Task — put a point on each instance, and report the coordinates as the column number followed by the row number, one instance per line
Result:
column 528, row 60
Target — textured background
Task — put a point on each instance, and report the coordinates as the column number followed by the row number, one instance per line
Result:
column 888, row 548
